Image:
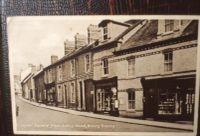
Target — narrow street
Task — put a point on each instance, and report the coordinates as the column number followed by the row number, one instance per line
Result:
column 32, row 118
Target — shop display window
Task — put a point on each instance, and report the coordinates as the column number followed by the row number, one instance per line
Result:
column 169, row 103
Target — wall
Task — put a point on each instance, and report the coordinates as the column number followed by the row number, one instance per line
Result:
column 114, row 29
column 184, row 59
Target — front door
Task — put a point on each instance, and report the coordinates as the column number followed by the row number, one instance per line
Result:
column 150, row 104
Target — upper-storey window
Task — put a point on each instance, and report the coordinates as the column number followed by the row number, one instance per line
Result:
column 60, row 73
column 131, row 67
column 105, row 33
column 87, row 63
column 105, row 66
column 72, row 68
column 168, row 59
column 169, row 25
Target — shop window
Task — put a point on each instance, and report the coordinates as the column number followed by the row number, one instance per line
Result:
column 169, row 25
column 72, row 93
column 72, row 68
column 104, row 97
column 131, row 67
column 176, row 103
column 105, row 33
column 87, row 63
column 105, row 66
column 131, row 100
column 169, row 104
column 168, row 59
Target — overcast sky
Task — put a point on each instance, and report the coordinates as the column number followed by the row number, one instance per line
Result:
column 32, row 40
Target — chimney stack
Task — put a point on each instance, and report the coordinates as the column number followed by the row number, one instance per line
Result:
column 54, row 58
column 80, row 40
column 33, row 68
column 68, row 47
column 94, row 33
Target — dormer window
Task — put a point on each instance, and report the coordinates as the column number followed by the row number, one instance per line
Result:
column 105, row 33
column 169, row 25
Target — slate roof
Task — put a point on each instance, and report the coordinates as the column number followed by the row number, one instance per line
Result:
column 27, row 78
column 38, row 73
column 72, row 54
column 148, row 35
column 104, row 22
column 109, row 41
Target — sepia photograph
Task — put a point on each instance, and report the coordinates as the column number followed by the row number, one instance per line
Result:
column 103, row 75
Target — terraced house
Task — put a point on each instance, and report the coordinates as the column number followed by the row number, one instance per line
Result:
column 50, row 82
column 156, row 70
column 105, row 73
column 139, row 68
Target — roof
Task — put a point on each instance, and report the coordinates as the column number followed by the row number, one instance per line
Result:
column 27, row 78
column 148, row 35
column 109, row 41
column 106, row 21
column 72, row 54
column 38, row 73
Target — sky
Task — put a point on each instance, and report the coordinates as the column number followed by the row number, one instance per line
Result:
column 32, row 40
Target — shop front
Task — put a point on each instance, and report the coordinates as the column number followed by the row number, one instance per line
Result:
column 106, row 101
column 50, row 94
column 169, row 98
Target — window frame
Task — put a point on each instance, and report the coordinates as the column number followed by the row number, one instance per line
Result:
column 131, row 68
column 72, row 70
column 105, row 33
column 87, row 63
column 72, row 93
column 60, row 94
column 168, row 61
column 132, row 100
column 169, row 25
column 105, row 68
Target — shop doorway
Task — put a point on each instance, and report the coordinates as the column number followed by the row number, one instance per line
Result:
column 104, row 97
column 150, row 105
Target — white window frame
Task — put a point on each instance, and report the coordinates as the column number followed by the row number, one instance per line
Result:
column 72, row 93
column 60, row 94
column 72, row 70
column 105, row 33
column 132, row 101
column 131, row 67
column 60, row 73
column 87, row 63
column 105, row 67
column 168, row 63
column 169, row 24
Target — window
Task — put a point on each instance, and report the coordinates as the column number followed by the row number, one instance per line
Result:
column 60, row 73
column 105, row 33
column 169, row 25
column 168, row 56
column 72, row 68
column 87, row 63
column 60, row 95
column 131, row 67
column 105, row 66
column 50, row 76
column 72, row 93
column 131, row 100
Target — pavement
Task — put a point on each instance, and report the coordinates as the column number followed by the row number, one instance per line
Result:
column 180, row 126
